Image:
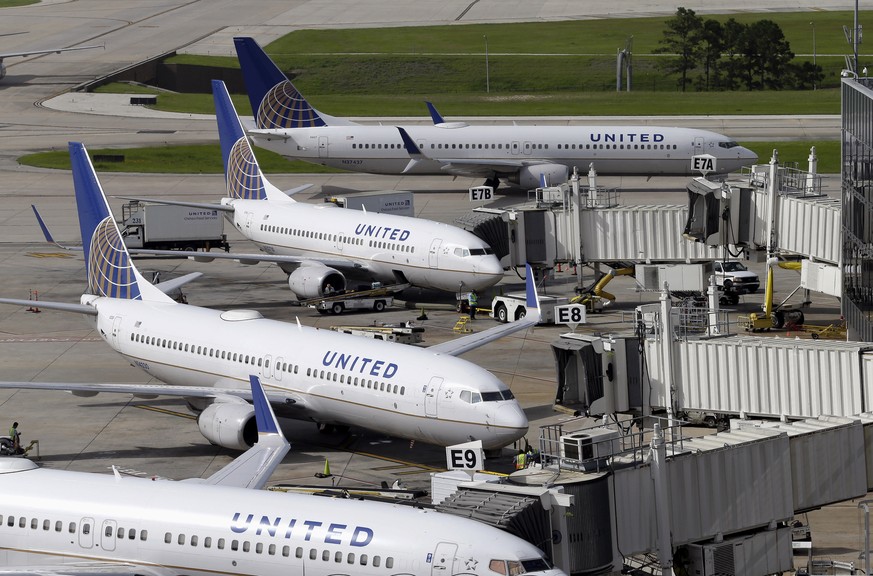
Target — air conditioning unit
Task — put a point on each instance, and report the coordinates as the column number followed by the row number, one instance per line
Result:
column 767, row 552
column 591, row 444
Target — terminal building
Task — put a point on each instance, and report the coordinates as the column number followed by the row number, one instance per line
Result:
column 857, row 207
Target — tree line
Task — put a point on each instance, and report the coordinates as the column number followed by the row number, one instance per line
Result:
column 710, row 55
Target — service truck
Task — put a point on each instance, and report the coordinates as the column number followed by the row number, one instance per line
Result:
column 397, row 202
column 165, row 227
column 512, row 307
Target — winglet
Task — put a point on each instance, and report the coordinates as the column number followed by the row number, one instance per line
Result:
column 411, row 147
column 276, row 103
column 45, row 230
column 264, row 415
column 532, row 298
column 437, row 118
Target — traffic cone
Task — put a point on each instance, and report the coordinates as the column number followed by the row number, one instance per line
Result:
column 326, row 473
column 34, row 295
column 559, row 268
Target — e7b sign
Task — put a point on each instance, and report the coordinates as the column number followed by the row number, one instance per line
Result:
column 481, row 193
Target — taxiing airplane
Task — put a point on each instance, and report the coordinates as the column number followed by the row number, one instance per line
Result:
column 62, row 523
column 321, row 245
column 327, row 377
column 38, row 52
column 520, row 155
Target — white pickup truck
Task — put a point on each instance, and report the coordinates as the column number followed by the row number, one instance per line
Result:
column 733, row 276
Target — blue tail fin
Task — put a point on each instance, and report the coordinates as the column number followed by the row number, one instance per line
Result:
column 107, row 263
column 276, row 103
column 241, row 171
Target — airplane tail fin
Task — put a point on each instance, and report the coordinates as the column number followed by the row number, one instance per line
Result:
column 108, row 265
column 276, row 103
column 242, row 174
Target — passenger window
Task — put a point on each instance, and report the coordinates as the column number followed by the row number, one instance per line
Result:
column 338, row 557
column 194, row 540
column 271, row 550
column 34, row 524
column 351, row 558
column 363, row 559
column 59, row 526
column 108, row 531
column 168, row 538
column 259, row 548
column 22, row 522
column 120, row 533
column 46, row 524
column 207, row 542
column 325, row 556
column 313, row 554
column 234, row 545
column 72, row 528
column 376, row 561
column 389, row 562
column 144, row 535
column 181, row 539
column 221, row 543
column 131, row 534
column 297, row 553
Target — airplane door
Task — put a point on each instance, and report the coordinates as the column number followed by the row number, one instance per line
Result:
column 86, row 532
column 116, row 328
column 248, row 220
column 443, row 559
column 107, row 535
column 433, row 255
column 430, row 400
column 698, row 145
column 323, row 151
column 527, row 148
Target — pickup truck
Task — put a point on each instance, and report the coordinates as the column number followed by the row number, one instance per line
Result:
column 733, row 276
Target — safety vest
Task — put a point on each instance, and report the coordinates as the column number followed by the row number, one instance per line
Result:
column 520, row 461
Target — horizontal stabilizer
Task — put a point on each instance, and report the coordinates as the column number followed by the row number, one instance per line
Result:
column 61, row 306
column 204, row 205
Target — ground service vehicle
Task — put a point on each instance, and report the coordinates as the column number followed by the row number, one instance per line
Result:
column 733, row 275
column 165, row 227
column 511, row 307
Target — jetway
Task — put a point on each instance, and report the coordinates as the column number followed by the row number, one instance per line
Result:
column 641, row 488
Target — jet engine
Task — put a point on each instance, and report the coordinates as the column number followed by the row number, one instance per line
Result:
column 2, row 69
column 309, row 281
column 529, row 177
column 229, row 425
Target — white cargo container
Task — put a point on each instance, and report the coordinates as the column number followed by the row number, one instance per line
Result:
column 164, row 227
column 397, row 202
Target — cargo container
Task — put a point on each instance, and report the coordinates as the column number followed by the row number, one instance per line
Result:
column 164, row 227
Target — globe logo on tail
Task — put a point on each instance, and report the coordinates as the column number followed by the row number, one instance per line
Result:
column 243, row 174
column 284, row 107
column 110, row 271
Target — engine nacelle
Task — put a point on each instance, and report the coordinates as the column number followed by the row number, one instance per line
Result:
column 530, row 177
column 229, row 425
column 2, row 69
column 309, row 281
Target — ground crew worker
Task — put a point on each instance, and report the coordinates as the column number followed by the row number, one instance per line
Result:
column 520, row 460
column 15, row 436
column 473, row 302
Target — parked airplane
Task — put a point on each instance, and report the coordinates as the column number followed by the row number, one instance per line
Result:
column 38, row 52
column 321, row 245
column 327, row 377
column 520, row 155
column 62, row 523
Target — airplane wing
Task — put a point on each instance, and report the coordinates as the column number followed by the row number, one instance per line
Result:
column 48, row 51
column 254, row 467
column 463, row 166
column 466, row 343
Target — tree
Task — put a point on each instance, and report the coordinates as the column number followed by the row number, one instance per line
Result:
column 682, row 39
column 732, row 34
column 711, row 47
column 765, row 55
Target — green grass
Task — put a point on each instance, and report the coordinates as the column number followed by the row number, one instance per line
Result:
column 206, row 159
column 199, row 159
column 15, row 3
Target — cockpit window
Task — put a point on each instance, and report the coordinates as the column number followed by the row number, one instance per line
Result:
column 516, row 568
column 536, row 565
column 497, row 396
column 729, row 144
column 462, row 252
column 481, row 251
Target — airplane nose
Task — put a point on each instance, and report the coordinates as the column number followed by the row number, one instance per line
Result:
column 511, row 423
column 488, row 272
column 748, row 156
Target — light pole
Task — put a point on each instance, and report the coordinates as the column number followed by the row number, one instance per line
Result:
column 487, row 73
column 813, row 54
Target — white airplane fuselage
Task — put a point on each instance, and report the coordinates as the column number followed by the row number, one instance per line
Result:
column 613, row 150
column 165, row 528
column 390, row 248
column 326, row 377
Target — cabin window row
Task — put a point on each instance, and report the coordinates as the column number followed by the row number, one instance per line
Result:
column 311, row 234
column 391, row 246
column 354, row 381
column 211, row 352
column 377, row 146
column 72, row 527
column 273, row 550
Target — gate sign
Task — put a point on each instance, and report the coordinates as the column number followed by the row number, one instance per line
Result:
column 703, row 163
column 481, row 193
column 469, row 457
column 570, row 314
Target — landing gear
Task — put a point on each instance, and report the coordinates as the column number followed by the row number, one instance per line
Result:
column 494, row 182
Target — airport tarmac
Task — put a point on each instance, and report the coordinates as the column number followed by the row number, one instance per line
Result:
column 159, row 437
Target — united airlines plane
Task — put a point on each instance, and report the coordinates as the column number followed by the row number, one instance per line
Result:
column 521, row 155
column 322, row 245
column 62, row 523
column 327, row 377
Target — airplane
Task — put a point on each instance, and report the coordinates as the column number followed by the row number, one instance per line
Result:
column 321, row 245
column 521, row 156
column 38, row 52
column 327, row 377
column 64, row 523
